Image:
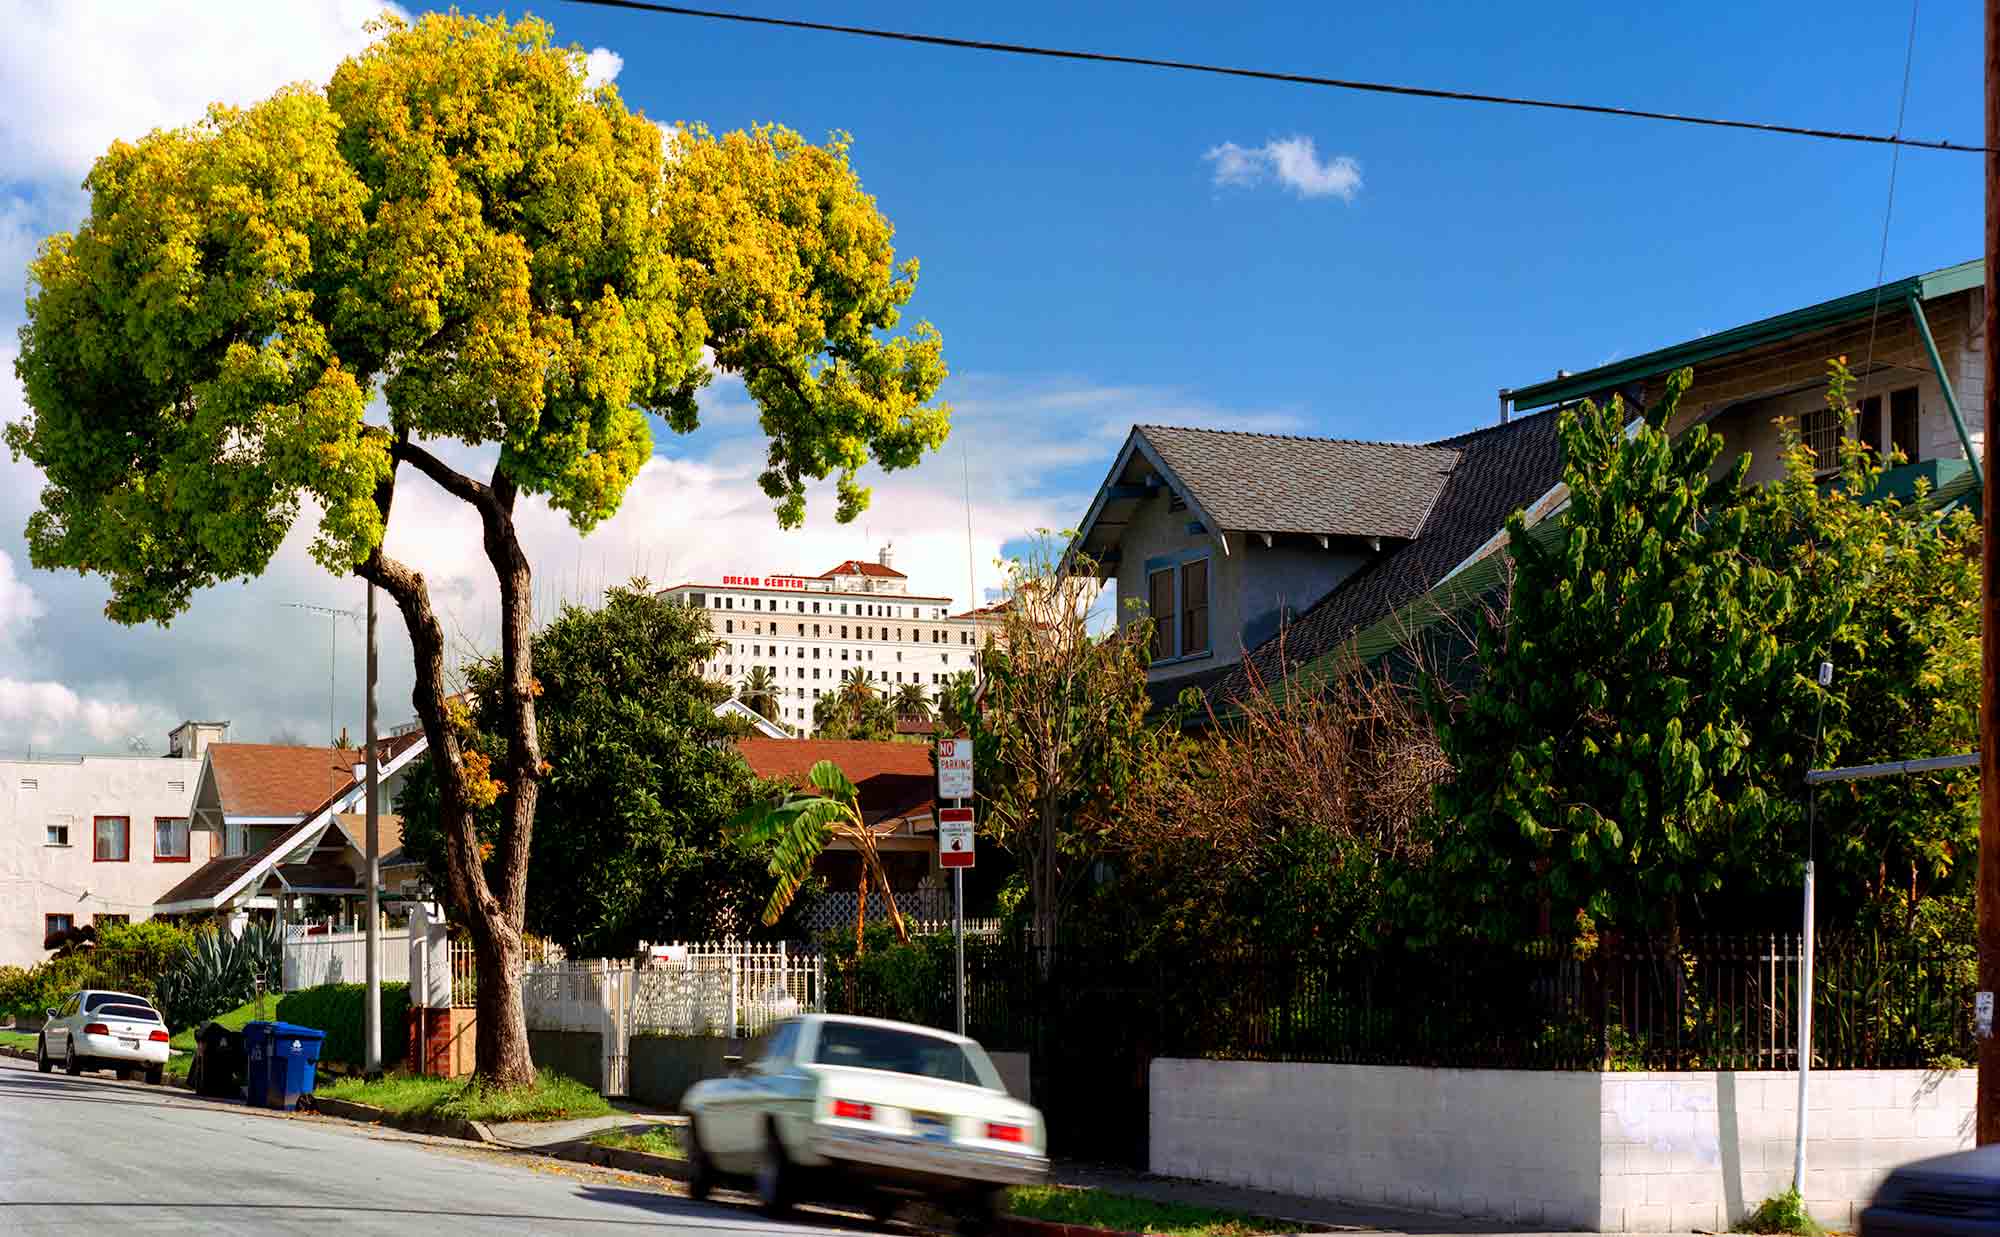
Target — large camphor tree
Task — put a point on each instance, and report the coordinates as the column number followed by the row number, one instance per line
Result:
column 462, row 259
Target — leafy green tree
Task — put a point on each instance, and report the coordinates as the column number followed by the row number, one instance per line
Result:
column 1903, row 586
column 499, row 260
column 759, row 690
column 642, row 774
column 1634, row 754
column 796, row 827
column 1630, row 745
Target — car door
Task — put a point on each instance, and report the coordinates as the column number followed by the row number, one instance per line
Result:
column 744, row 1102
column 55, row 1033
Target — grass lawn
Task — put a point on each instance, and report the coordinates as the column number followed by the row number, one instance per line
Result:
column 17, row 1039
column 660, row 1140
column 552, row 1098
column 234, row 1020
column 1095, row 1208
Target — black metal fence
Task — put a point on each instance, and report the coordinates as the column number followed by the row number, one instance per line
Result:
column 1094, row 1019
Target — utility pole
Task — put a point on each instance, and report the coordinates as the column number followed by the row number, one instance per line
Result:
column 372, row 1007
column 1988, row 1123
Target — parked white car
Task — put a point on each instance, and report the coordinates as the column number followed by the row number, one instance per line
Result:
column 96, row 1029
column 861, row 1109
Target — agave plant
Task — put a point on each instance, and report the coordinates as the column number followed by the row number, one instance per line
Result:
column 218, row 972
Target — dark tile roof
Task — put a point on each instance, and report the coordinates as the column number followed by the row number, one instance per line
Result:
column 1501, row 469
column 895, row 779
column 1275, row 483
column 862, row 567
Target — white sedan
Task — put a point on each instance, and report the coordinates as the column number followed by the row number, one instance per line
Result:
column 104, row 1030
column 837, row 1107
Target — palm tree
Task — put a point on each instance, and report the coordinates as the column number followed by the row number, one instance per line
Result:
column 759, row 690
column 798, row 827
column 913, row 701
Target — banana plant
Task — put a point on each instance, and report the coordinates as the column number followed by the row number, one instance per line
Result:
column 799, row 826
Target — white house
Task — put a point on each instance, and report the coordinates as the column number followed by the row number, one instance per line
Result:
column 96, row 839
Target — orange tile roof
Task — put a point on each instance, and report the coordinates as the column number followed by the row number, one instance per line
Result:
column 862, row 567
column 270, row 779
column 895, row 779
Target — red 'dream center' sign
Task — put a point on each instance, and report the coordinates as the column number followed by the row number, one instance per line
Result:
column 954, row 832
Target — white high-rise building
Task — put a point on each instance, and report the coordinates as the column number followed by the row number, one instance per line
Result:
column 810, row 631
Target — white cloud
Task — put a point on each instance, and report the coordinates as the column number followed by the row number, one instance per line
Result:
column 603, row 66
column 18, row 604
column 1293, row 161
column 80, row 76
column 41, row 714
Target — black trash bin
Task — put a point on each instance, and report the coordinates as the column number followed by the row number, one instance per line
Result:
column 220, row 1056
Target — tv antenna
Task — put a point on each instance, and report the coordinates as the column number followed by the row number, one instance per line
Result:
column 332, row 661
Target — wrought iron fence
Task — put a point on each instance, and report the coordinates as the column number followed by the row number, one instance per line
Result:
column 464, row 975
column 728, row 988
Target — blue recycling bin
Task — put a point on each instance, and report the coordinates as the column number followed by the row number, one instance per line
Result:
column 282, row 1057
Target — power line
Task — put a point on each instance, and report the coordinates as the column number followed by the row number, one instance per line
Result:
column 1889, row 207
column 1267, row 75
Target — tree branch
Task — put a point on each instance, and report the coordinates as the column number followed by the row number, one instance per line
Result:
column 448, row 478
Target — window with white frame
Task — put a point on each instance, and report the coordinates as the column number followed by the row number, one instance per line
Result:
column 58, row 835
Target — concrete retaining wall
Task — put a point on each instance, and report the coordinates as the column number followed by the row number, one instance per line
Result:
column 663, row 1067
column 1626, row 1152
column 574, row 1054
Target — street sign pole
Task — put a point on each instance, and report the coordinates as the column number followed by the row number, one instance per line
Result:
column 958, row 932
column 371, row 1009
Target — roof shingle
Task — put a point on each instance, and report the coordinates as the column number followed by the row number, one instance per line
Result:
column 1501, row 469
column 1275, row 483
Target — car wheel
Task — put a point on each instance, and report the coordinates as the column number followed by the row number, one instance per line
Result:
column 979, row 1214
column 701, row 1169
column 156, row 1075
column 774, row 1176
column 71, row 1065
column 42, row 1062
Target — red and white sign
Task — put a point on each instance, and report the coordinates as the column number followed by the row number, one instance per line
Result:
column 765, row 581
column 954, row 761
column 954, row 837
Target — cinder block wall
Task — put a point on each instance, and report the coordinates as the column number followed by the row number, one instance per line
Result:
column 1623, row 1152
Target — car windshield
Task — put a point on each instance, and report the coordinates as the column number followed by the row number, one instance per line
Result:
column 858, row 1045
column 135, row 1013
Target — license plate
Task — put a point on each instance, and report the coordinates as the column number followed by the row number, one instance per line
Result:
column 932, row 1128
column 129, row 1043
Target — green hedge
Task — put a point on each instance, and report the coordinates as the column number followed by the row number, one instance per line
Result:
column 336, row 1010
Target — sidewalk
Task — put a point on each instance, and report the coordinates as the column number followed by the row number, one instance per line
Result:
column 1321, row 1212
column 548, row 1135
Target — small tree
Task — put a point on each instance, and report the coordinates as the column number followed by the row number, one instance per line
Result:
column 1061, row 730
column 798, row 827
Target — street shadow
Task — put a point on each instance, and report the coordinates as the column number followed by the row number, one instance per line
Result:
column 345, row 1208
column 725, row 1215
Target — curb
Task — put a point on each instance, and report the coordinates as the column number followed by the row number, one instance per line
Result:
column 1021, row 1226
column 444, row 1127
column 582, row 1151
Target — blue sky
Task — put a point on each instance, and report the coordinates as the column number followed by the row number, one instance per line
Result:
column 1083, row 260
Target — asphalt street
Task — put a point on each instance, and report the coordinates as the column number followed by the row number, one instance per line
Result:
column 93, row 1155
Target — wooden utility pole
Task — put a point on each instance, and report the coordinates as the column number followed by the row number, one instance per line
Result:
column 1989, row 720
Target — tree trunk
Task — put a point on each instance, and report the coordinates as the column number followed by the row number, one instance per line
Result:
column 495, row 920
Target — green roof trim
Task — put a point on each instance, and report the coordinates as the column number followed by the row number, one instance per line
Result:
column 1891, row 296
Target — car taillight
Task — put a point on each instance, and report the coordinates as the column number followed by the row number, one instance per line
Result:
column 1005, row 1133
column 96, row 1028
column 853, row 1111
column 158, row 1037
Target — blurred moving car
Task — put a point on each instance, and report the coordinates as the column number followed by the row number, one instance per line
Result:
column 1946, row 1196
column 845, row 1108
column 96, row 1029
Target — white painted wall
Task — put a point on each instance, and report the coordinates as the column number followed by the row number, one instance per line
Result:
column 37, row 878
column 1624, row 1152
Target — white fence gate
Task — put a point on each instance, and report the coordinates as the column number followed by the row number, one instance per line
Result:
column 342, row 958
column 725, row 989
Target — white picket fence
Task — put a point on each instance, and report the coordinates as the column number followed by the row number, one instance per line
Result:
column 713, row 988
column 342, row 958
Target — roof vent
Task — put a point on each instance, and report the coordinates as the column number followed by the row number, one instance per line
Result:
column 887, row 556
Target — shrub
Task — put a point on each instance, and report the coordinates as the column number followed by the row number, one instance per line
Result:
column 336, row 1009
column 216, row 972
column 1781, row 1213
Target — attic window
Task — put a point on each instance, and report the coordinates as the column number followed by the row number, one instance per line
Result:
column 1175, row 502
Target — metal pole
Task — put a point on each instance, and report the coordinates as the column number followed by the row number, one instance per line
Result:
column 958, row 931
column 1987, row 1124
column 1805, row 1033
column 372, row 1007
